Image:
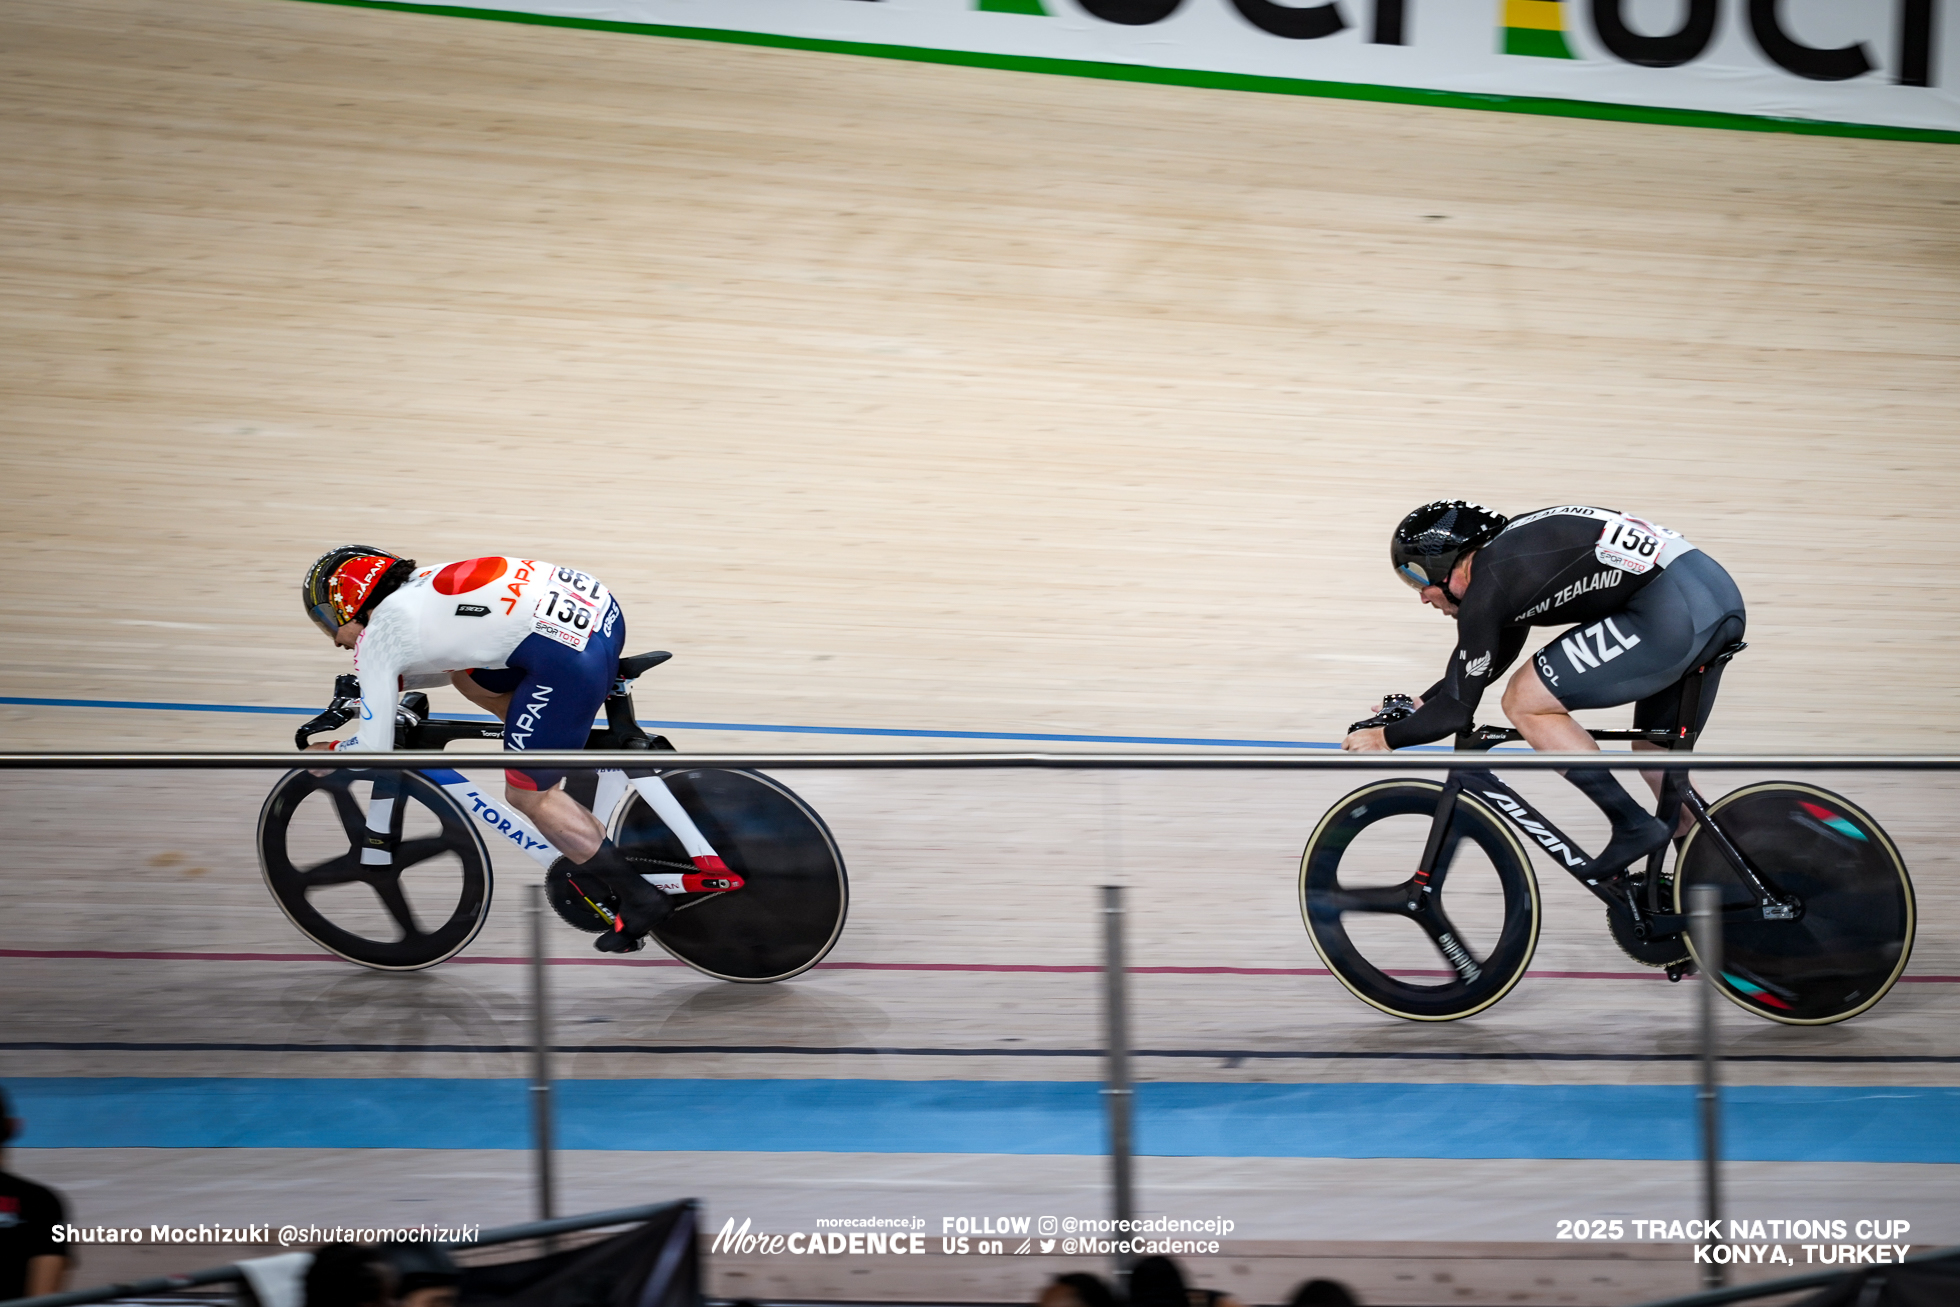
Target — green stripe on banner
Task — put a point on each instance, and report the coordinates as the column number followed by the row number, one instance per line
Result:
column 1011, row 7
column 1531, row 41
column 1545, row 106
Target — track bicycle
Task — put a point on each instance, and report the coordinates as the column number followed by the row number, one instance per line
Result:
column 1817, row 908
column 390, row 868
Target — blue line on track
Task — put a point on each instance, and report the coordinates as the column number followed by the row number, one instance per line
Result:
column 1615, row 1122
column 762, row 727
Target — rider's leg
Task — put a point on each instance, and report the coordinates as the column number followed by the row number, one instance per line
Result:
column 1662, row 711
column 474, row 685
column 560, row 818
column 578, row 835
column 552, row 707
column 1654, row 781
column 1547, row 726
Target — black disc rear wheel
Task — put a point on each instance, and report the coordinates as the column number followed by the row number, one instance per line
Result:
column 791, row 907
column 1853, row 933
column 422, row 906
column 1470, row 935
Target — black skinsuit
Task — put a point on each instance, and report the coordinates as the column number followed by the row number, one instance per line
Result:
column 1646, row 619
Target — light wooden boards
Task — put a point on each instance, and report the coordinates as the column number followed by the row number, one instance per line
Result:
column 902, row 395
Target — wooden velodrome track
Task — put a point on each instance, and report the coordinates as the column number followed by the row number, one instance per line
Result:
column 905, row 397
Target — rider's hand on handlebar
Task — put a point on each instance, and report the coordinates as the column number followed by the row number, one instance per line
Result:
column 325, row 746
column 1409, row 701
column 1365, row 736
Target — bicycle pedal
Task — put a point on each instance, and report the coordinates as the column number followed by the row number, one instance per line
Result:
column 1676, row 970
column 611, row 942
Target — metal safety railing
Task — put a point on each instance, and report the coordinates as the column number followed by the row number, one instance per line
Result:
column 1263, row 760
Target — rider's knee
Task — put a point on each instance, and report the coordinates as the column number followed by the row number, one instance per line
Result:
column 523, row 798
column 1516, row 694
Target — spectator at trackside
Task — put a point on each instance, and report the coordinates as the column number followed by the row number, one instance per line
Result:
column 425, row 1274
column 1157, row 1282
column 1323, row 1293
column 349, row 1275
column 32, row 1260
column 1076, row 1290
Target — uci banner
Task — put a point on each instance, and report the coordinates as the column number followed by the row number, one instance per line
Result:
column 1881, row 63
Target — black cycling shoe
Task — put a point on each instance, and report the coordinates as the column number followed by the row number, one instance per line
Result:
column 636, row 906
column 641, row 907
column 619, row 942
column 1629, row 845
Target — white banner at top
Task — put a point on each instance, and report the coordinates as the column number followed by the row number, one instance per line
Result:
column 1888, row 63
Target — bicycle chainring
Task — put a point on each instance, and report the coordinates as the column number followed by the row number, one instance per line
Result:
column 1663, row 951
column 569, row 898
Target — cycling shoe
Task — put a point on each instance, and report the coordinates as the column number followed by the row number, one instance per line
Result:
column 641, row 906
column 1630, row 845
column 638, row 911
column 619, row 942
column 635, row 908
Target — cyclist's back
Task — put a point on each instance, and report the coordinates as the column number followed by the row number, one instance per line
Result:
column 507, row 622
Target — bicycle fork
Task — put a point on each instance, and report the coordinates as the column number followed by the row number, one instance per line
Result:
column 1421, row 906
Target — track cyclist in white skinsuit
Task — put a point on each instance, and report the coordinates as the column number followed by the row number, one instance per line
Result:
column 534, row 643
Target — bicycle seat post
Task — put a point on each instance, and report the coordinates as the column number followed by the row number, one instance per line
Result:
column 620, row 721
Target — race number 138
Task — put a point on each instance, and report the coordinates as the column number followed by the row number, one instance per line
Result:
column 570, row 606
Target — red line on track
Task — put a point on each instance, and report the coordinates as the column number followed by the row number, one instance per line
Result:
column 117, row 956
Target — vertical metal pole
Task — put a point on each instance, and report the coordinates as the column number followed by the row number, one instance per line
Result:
column 1705, row 923
column 1116, row 1077
column 541, row 1060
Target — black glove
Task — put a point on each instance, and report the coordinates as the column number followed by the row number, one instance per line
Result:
column 1394, row 708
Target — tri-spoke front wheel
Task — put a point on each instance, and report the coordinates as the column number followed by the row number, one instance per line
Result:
column 415, row 907
column 1427, row 951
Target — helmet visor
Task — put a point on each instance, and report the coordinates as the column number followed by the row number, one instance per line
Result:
column 1422, row 572
column 325, row 618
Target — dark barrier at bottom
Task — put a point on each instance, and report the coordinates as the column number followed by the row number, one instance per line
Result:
column 1929, row 1281
column 656, row 1263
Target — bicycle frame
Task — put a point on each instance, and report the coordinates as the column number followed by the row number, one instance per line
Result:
column 1676, row 793
column 415, row 729
column 500, row 819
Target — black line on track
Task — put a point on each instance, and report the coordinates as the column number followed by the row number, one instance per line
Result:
column 808, row 1050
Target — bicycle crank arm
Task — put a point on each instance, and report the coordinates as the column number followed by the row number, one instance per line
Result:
column 673, row 882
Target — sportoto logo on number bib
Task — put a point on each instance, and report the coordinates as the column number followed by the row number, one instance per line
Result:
column 571, row 605
column 1632, row 545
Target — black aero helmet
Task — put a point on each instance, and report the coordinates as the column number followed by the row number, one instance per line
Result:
column 344, row 584
column 1429, row 541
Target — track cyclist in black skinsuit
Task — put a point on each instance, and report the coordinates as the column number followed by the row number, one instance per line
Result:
column 1650, row 608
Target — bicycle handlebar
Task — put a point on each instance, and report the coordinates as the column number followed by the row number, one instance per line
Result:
column 1396, row 707
column 342, row 709
column 416, row 729
column 410, row 714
